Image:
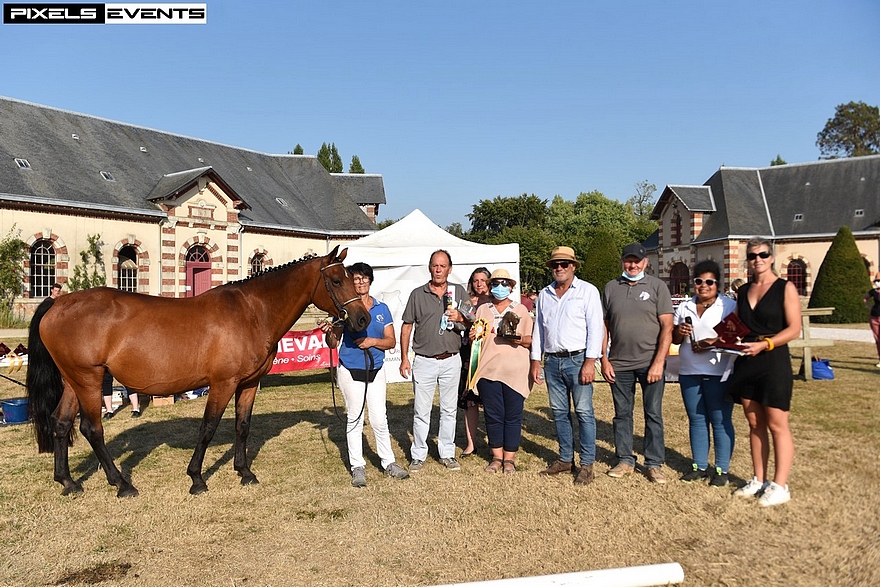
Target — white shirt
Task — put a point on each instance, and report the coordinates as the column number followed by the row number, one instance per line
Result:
column 570, row 323
column 707, row 362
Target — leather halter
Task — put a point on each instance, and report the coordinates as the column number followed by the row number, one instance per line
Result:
column 343, row 313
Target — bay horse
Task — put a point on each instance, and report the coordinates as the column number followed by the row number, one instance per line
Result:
column 225, row 338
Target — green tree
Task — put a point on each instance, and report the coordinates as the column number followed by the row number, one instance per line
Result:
column 386, row 223
column 778, row 161
column 455, row 229
column 328, row 156
column 853, row 132
column 13, row 253
column 297, row 150
column 642, row 205
column 601, row 262
column 90, row 270
column 355, row 166
column 841, row 282
column 490, row 217
column 535, row 246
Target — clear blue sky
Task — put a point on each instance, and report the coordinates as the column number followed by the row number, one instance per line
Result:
column 454, row 102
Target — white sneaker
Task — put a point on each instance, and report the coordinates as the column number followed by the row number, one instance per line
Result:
column 774, row 495
column 752, row 488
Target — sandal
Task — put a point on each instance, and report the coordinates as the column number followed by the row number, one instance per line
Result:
column 492, row 467
column 509, row 466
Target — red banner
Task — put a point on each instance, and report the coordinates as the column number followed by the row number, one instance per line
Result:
column 302, row 349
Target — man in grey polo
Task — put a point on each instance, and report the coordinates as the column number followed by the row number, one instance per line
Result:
column 638, row 321
column 429, row 317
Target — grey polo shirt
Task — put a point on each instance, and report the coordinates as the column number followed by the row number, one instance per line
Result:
column 424, row 310
column 632, row 314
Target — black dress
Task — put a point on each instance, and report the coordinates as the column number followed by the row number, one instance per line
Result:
column 765, row 378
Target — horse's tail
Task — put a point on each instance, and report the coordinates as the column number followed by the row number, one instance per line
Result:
column 44, row 383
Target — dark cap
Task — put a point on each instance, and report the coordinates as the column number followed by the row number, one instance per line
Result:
column 634, row 250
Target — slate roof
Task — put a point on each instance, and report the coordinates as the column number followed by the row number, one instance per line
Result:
column 764, row 201
column 363, row 188
column 67, row 152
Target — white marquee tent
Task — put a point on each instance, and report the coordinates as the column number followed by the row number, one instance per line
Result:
column 399, row 256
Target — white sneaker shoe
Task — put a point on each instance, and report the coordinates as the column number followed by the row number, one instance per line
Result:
column 752, row 488
column 774, row 495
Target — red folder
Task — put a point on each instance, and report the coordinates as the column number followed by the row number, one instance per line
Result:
column 730, row 331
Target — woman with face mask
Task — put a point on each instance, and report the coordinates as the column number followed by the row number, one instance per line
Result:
column 502, row 376
column 874, row 294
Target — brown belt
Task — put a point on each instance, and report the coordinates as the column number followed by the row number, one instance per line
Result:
column 438, row 357
column 565, row 354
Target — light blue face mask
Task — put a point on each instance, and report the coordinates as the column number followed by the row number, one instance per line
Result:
column 501, row 292
column 638, row 277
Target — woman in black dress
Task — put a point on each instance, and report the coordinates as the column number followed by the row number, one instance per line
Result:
column 762, row 380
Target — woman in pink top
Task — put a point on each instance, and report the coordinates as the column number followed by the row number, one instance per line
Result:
column 502, row 376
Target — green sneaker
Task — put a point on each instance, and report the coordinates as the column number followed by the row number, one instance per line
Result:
column 697, row 474
column 719, row 479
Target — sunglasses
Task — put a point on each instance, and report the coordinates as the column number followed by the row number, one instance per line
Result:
column 558, row 264
column 753, row 256
column 502, row 282
column 701, row 281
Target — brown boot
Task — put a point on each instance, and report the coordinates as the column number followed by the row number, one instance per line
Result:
column 584, row 476
column 558, row 467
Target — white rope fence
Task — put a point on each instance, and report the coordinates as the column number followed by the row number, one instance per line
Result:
column 643, row 576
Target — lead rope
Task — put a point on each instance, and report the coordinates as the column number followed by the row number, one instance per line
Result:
column 333, row 389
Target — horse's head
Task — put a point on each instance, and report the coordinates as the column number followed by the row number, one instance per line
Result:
column 339, row 297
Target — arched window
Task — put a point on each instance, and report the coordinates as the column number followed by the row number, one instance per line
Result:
column 797, row 274
column 42, row 268
column 257, row 263
column 198, row 254
column 127, row 277
column 679, row 280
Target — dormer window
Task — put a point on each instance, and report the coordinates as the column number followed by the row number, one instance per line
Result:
column 107, row 175
column 282, row 202
column 22, row 163
column 798, row 217
column 860, row 213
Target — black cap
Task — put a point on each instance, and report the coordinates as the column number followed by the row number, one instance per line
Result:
column 634, row 250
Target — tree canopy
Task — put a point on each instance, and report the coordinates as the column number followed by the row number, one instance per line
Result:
column 854, row 131
column 328, row 156
column 13, row 253
column 355, row 166
column 778, row 161
column 841, row 282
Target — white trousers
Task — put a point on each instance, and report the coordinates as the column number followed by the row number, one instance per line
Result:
column 428, row 375
column 356, row 407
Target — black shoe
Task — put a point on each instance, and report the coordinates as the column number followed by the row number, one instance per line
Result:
column 135, row 413
column 696, row 475
column 108, row 415
column 719, row 479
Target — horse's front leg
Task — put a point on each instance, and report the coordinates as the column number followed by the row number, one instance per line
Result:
column 218, row 398
column 244, row 405
column 62, row 421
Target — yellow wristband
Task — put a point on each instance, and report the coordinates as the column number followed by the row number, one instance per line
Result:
column 770, row 345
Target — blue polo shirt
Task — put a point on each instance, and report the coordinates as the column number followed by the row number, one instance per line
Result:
column 353, row 357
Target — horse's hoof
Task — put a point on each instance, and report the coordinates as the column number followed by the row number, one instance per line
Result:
column 129, row 491
column 72, row 489
column 249, row 480
column 198, row 488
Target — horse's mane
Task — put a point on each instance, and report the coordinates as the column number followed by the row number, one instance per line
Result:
column 303, row 259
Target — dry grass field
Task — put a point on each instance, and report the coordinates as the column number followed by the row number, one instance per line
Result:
column 305, row 525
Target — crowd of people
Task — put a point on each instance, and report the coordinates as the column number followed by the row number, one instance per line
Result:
column 481, row 347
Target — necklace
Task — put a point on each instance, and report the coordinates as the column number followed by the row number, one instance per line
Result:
column 709, row 304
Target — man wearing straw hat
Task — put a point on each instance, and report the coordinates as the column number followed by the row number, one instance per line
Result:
column 568, row 335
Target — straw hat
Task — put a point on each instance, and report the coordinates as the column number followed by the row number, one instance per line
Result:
column 563, row 254
column 502, row 274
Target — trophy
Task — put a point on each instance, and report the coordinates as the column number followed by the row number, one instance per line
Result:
column 507, row 327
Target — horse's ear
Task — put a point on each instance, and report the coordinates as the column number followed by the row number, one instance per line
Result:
column 342, row 254
column 332, row 254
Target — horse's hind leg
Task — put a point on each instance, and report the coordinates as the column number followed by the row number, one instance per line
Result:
column 218, row 398
column 244, row 405
column 91, row 427
column 62, row 421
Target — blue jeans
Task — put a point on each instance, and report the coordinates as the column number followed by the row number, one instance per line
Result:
column 428, row 375
column 703, row 397
column 503, row 410
column 562, row 375
column 623, row 392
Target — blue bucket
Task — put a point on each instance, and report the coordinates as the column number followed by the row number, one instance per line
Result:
column 15, row 410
